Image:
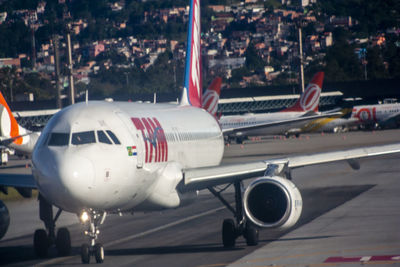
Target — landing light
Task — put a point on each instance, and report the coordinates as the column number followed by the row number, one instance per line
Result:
column 84, row 217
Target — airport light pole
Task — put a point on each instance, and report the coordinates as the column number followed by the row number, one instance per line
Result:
column 56, row 43
column 70, row 67
column 300, row 23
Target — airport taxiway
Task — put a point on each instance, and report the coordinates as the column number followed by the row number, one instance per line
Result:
column 350, row 218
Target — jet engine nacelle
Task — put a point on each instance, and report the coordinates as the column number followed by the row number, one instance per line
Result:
column 273, row 202
column 4, row 219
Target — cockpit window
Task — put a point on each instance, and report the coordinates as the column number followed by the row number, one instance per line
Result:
column 81, row 138
column 113, row 137
column 59, row 139
column 103, row 138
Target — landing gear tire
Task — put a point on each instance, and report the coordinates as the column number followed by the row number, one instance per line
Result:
column 40, row 243
column 228, row 233
column 85, row 253
column 251, row 235
column 99, row 253
column 63, row 242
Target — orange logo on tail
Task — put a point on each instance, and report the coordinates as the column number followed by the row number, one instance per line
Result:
column 14, row 128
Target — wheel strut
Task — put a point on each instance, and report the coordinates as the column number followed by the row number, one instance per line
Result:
column 243, row 227
column 93, row 219
column 43, row 239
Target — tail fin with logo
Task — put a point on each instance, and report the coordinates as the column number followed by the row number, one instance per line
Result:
column 211, row 96
column 9, row 126
column 309, row 99
column 12, row 134
column 192, row 88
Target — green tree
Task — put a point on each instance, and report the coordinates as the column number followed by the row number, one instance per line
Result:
column 253, row 60
column 375, row 65
column 342, row 63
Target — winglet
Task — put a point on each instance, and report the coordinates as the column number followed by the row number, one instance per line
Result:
column 8, row 124
column 211, row 96
column 192, row 87
column 309, row 100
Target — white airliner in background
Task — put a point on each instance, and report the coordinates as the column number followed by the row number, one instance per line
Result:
column 100, row 157
column 383, row 115
column 287, row 121
column 386, row 115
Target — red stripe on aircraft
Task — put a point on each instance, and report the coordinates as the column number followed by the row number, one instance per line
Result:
column 139, row 125
column 149, row 137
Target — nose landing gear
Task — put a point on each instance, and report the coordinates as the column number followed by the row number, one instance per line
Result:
column 92, row 219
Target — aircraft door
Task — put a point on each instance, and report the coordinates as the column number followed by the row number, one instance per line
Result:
column 138, row 145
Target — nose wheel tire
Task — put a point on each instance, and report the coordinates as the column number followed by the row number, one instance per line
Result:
column 40, row 243
column 63, row 242
column 99, row 253
column 85, row 253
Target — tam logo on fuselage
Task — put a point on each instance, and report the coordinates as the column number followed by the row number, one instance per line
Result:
column 155, row 142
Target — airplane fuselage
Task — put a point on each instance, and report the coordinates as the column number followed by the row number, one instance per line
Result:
column 370, row 114
column 115, row 156
column 236, row 121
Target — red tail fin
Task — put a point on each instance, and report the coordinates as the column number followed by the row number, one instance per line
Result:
column 211, row 96
column 309, row 100
column 192, row 87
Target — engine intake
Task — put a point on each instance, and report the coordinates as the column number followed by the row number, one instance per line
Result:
column 273, row 202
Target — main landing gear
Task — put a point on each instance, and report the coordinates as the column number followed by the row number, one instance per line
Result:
column 44, row 239
column 92, row 219
column 243, row 227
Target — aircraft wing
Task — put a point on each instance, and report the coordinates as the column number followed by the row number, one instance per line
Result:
column 293, row 123
column 202, row 178
column 18, row 180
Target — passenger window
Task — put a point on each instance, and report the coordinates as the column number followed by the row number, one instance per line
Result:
column 113, row 137
column 82, row 138
column 103, row 138
column 59, row 139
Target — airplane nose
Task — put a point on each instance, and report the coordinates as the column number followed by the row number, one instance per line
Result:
column 76, row 173
column 64, row 178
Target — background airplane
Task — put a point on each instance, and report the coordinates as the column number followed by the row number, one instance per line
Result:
column 100, row 158
column 386, row 115
column 289, row 120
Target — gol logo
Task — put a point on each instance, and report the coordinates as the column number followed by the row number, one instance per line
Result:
column 310, row 98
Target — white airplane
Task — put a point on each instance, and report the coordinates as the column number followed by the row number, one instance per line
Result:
column 287, row 121
column 99, row 158
column 23, row 141
column 383, row 115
